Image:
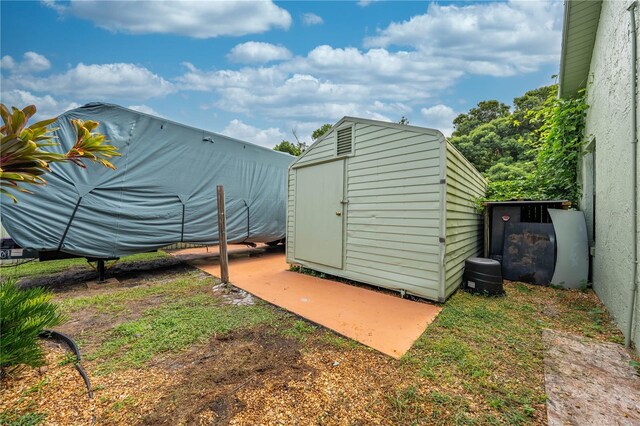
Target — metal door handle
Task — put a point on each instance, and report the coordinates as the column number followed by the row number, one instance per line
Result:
column 338, row 213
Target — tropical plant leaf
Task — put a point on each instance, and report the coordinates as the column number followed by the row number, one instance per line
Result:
column 23, row 161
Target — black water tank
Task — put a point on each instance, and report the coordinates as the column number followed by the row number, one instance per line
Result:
column 482, row 276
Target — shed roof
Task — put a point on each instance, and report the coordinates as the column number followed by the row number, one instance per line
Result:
column 581, row 19
column 349, row 119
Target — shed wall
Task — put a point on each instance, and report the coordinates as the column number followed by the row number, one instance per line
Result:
column 392, row 219
column 463, row 225
column 393, row 188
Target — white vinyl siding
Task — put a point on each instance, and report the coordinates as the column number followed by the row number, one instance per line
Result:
column 291, row 206
column 393, row 218
column 320, row 151
column 393, row 191
column 463, row 224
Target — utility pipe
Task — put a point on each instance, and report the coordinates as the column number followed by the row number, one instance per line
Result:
column 634, row 142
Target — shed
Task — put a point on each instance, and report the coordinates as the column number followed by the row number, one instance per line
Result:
column 385, row 204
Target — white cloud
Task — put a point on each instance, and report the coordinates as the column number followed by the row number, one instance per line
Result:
column 373, row 115
column 7, row 63
column 439, row 117
column 198, row 19
column 47, row 106
column 258, row 52
column 326, row 84
column 266, row 137
column 145, row 109
column 32, row 62
column 312, row 19
column 365, row 3
column 99, row 82
column 499, row 39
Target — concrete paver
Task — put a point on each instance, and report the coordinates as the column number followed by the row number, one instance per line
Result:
column 384, row 322
column 589, row 383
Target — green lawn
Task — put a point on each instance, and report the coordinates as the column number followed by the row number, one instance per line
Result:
column 485, row 354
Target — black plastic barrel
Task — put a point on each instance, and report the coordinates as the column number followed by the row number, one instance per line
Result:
column 483, row 276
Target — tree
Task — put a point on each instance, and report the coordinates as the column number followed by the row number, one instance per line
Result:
column 24, row 162
column 289, row 148
column 493, row 142
column 526, row 105
column 485, row 112
column 320, row 131
column 504, row 171
column 404, row 120
column 510, row 138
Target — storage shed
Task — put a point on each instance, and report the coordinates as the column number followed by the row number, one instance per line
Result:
column 385, row 204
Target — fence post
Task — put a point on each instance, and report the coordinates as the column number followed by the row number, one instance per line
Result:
column 222, row 237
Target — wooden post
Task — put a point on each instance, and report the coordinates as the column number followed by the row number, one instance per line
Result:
column 222, row 237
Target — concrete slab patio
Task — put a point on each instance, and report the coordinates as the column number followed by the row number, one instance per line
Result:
column 589, row 383
column 381, row 321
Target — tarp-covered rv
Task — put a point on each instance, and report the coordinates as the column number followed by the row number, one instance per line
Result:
column 162, row 192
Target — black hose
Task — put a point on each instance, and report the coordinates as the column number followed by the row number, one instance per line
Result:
column 55, row 335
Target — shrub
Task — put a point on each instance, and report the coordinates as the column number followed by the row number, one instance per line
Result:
column 23, row 315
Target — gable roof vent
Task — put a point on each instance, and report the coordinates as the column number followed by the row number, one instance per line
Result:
column 344, row 140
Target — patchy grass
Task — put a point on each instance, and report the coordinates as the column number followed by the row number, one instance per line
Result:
column 484, row 355
column 36, row 268
column 173, row 327
column 299, row 330
column 408, row 406
column 120, row 298
column 14, row 418
column 479, row 362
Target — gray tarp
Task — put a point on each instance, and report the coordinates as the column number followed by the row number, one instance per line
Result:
column 163, row 190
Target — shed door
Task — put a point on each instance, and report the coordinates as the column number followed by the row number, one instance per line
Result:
column 319, row 213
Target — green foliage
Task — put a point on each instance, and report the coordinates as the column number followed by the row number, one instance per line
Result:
column 530, row 153
column 289, row 148
column 319, row 132
column 484, row 113
column 490, row 134
column 490, row 143
column 298, row 148
column 562, row 135
column 514, row 171
column 23, row 160
column 23, row 315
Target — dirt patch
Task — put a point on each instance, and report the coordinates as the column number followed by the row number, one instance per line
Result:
column 347, row 387
column 91, row 327
column 126, row 272
column 211, row 376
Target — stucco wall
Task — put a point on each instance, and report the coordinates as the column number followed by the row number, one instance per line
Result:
column 609, row 122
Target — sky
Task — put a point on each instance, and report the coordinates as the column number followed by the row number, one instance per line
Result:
column 260, row 71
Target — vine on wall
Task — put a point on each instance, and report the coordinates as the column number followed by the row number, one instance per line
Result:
column 561, row 137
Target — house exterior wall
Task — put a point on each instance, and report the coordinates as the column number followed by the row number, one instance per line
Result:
column 608, row 124
column 392, row 219
column 464, row 231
